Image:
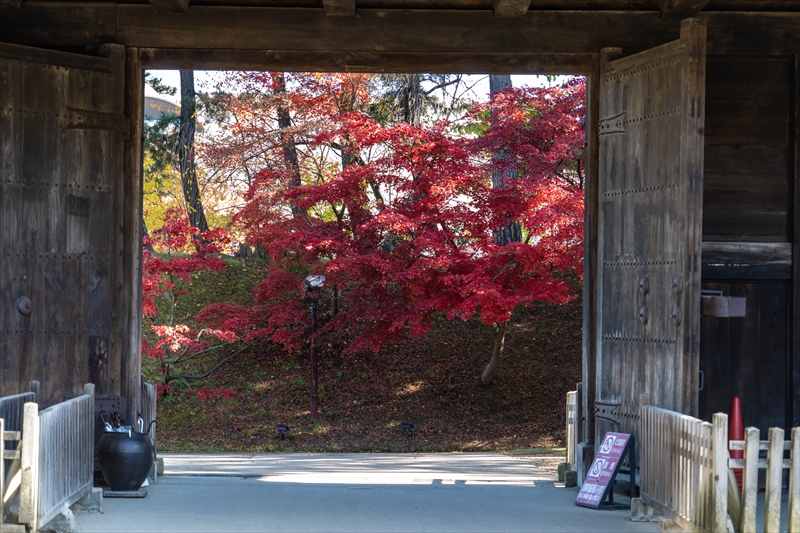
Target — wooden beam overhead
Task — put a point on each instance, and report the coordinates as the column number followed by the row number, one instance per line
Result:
column 374, row 30
column 50, row 57
column 336, row 61
column 340, row 8
column 55, row 24
column 13, row 4
column 681, row 8
column 170, row 6
column 511, row 8
column 59, row 24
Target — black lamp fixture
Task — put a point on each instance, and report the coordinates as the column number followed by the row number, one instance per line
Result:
column 409, row 429
column 283, row 429
column 312, row 283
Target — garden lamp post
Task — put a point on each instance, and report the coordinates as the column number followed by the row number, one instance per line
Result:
column 310, row 285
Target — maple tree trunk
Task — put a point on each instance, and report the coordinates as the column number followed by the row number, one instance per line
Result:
column 349, row 157
column 287, row 140
column 337, row 301
column 497, row 351
column 191, row 190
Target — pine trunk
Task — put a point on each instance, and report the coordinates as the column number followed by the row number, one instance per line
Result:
column 146, row 236
column 191, row 189
column 511, row 231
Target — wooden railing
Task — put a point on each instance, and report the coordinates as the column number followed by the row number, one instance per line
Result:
column 8, row 488
column 11, row 411
column 743, row 513
column 57, row 457
column 686, row 473
column 11, row 419
column 676, row 467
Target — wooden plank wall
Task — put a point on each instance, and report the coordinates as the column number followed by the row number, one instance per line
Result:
column 746, row 195
column 795, row 288
column 748, row 357
column 748, row 228
column 62, row 143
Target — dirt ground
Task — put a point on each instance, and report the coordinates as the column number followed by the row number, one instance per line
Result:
column 431, row 382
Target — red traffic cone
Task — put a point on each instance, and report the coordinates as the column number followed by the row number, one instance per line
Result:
column 736, row 432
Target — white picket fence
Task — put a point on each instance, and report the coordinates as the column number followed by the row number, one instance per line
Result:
column 676, row 466
column 54, row 467
column 743, row 512
column 686, row 474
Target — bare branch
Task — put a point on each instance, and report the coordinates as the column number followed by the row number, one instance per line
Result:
column 185, row 378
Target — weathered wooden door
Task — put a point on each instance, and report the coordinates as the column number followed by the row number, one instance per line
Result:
column 61, row 138
column 650, row 221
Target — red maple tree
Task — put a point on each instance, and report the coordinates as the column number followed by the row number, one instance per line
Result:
column 184, row 251
column 400, row 218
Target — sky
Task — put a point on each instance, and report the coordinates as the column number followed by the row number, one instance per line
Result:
column 204, row 80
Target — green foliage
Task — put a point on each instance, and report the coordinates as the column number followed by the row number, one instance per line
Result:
column 160, row 192
column 161, row 142
column 214, row 106
column 234, row 284
column 162, row 182
column 158, row 86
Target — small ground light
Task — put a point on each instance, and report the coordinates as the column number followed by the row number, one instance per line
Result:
column 409, row 428
column 283, row 429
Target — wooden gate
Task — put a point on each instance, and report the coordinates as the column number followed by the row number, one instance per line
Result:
column 651, row 182
column 61, row 134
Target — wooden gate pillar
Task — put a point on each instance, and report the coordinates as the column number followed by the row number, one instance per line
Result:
column 131, row 238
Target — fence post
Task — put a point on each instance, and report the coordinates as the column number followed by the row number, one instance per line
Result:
column 2, row 472
column 750, row 478
column 35, row 387
column 29, row 488
column 772, row 499
column 88, row 388
column 734, row 501
column 794, row 483
column 571, row 422
column 719, row 495
column 578, row 418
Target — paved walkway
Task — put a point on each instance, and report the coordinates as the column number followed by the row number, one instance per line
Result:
column 355, row 492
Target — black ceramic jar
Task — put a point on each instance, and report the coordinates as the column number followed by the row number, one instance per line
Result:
column 125, row 459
